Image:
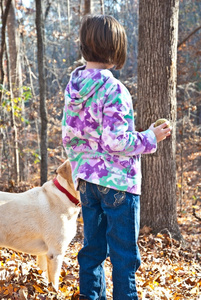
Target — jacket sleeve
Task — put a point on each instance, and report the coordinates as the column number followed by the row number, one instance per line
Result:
column 118, row 129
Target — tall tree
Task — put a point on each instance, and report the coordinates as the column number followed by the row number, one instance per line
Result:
column 157, row 58
column 14, row 81
column 4, row 14
column 88, row 6
column 102, row 7
column 41, row 72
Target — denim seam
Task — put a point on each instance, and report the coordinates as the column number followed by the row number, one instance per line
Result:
column 92, row 190
column 82, row 186
column 135, row 246
column 82, row 189
column 134, row 225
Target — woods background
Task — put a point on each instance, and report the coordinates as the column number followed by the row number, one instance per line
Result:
column 20, row 104
column 38, row 51
column 20, row 117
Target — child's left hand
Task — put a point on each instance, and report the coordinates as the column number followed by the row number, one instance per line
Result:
column 161, row 132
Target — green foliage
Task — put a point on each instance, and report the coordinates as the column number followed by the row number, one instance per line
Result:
column 27, row 94
column 37, row 157
column 15, row 104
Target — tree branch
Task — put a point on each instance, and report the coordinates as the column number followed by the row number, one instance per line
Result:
column 188, row 36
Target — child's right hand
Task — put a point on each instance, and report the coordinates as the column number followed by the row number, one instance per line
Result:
column 160, row 131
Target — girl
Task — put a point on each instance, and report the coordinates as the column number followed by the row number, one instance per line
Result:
column 104, row 150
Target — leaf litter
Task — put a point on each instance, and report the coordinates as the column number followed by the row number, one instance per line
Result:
column 169, row 270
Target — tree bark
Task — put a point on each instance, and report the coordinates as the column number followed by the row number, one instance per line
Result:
column 87, row 7
column 3, row 38
column 157, row 50
column 41, row 71
column 102, row 7
column 14, row 82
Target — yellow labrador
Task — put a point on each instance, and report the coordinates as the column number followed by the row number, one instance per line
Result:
column 42, row 221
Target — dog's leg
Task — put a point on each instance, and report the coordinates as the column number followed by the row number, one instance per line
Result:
column 54, row 263
column 42, row 262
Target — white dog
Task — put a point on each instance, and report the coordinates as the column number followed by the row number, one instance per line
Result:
column 42, row 221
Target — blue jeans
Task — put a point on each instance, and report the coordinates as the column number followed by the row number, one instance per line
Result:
column 111, row 227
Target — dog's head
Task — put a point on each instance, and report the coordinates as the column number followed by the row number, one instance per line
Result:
column 64, row 176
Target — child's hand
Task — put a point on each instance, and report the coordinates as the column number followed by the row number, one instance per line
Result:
column 160, row 131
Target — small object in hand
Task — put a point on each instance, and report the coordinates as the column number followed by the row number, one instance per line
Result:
column 161, row 121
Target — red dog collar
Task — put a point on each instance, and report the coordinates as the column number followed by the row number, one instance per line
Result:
column 63, row 190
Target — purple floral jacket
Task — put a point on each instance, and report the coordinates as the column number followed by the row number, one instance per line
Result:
column 99, row 134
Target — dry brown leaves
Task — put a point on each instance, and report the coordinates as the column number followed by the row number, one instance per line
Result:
column 169, row 270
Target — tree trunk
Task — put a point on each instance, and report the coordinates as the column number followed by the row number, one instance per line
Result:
column 158, row 36
column 102, row 7
column 14, row 82
column 41, row 71
column 4, row 15
column 87, row 7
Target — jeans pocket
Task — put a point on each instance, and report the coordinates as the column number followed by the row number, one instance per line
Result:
column 82, row 190
column 103, row 189
column 115, row 198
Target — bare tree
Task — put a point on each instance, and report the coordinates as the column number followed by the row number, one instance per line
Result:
column 158, row 30
column 41, row 71
column 102, row 7
column 4, row 14
column 88, row 7
column 14, row 81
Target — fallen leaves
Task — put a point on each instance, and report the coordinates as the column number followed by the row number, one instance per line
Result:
column 20, row 279
column 169, row 270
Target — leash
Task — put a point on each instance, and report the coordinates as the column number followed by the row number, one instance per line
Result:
column 63, row 190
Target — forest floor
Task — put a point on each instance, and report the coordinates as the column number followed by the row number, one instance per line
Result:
column 170, row 269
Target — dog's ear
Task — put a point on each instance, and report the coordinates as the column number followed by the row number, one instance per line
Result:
column 65, row 171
